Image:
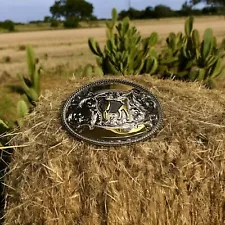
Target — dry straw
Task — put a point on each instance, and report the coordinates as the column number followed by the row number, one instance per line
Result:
column 176, row 178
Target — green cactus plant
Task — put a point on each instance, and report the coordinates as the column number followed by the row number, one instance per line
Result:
column 208, row 59
column 3, row 124
column 29, row 87
column 125, row 52
column 3, row 128
column 30, row 90
column 90, row 70
column 185, row 57
column 22, row 112
column 188, row 58
column 31, row 84
column 189, row 26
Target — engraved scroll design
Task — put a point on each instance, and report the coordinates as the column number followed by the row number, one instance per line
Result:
column 118, row 111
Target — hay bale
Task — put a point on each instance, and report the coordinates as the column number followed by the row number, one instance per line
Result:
column 176, row 178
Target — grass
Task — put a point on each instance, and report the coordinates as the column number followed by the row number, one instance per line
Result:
column 36, row 27
column 8, row 105
column 43, row 26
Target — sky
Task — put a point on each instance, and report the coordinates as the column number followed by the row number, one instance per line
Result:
column 27, row 10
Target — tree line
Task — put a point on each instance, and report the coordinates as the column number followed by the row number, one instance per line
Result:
column 71, row 12
column 163, row 11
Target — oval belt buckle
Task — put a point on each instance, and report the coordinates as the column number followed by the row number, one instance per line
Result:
column 112, row 112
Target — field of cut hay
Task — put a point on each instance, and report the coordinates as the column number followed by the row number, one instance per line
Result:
column 176, row 178
column 62, row 51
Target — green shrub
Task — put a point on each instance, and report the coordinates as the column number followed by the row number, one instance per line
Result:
column 8, row 25
column 71, row 22
column 22, row 47
column 47, row 19
column 7, row 59
column 54, row 23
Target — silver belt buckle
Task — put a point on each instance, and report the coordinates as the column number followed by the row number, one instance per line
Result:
column 112, row 112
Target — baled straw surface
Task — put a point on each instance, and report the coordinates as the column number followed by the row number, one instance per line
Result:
column 175, row 178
